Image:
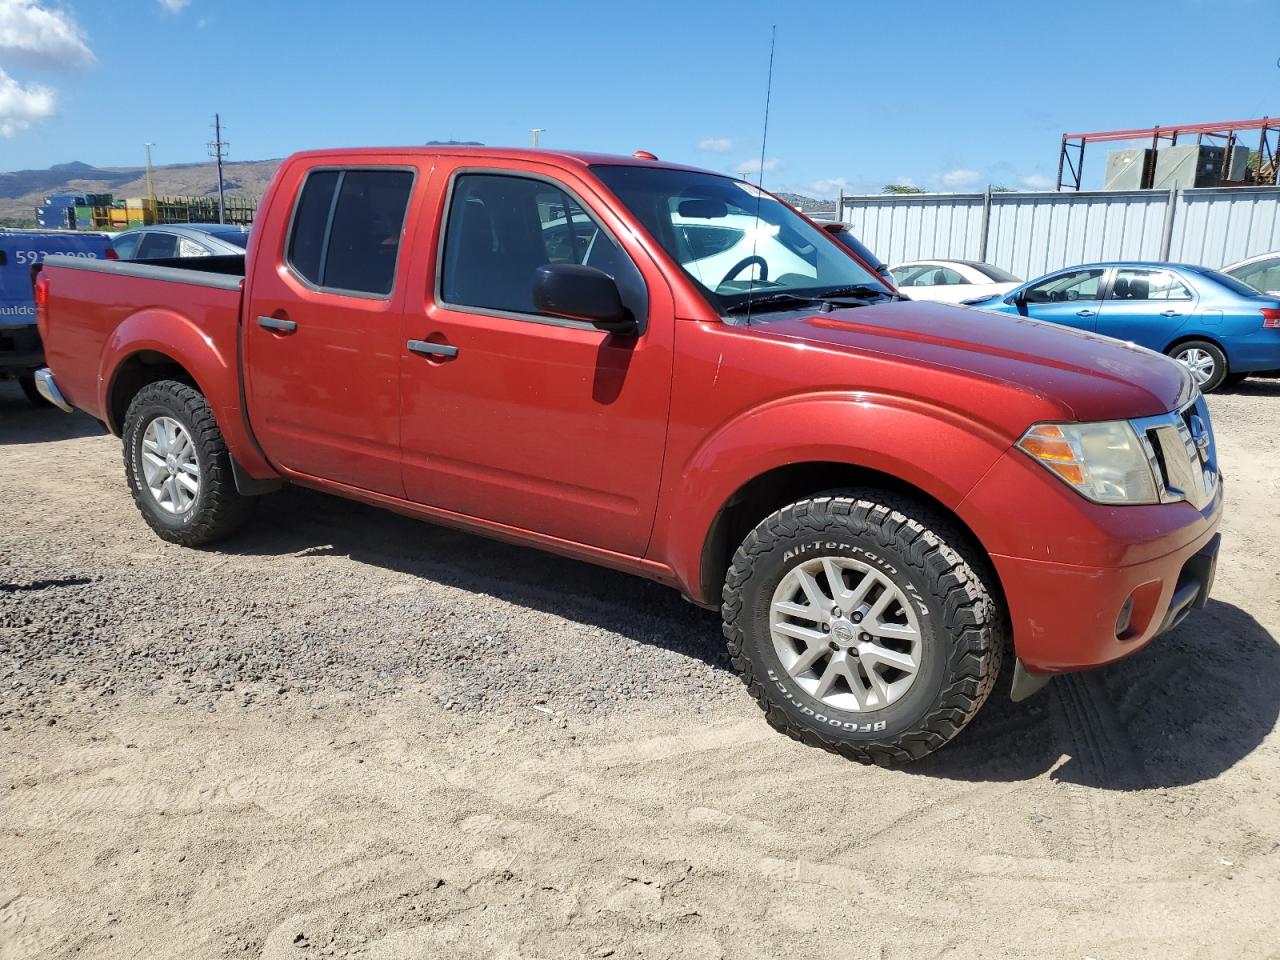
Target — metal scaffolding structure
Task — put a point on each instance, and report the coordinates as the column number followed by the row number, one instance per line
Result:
column 1071, row 153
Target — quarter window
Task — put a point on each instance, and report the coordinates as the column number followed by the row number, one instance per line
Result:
column 347, row 229
column 1147, row 285
column 501, row 229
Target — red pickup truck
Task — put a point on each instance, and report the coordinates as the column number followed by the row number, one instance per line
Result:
column 669, row 372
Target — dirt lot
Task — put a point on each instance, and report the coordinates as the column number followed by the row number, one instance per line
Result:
column 350, row 734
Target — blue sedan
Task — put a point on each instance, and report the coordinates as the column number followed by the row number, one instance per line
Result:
column 1221, row 329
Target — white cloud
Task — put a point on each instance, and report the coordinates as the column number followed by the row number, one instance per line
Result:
column 21, row 106
column 749, row 168
column 175, row 6
column 829, row 187
column 1036, row 181
column 960, row 178
column 904, row 182
column 32, row 35
column 715, row 145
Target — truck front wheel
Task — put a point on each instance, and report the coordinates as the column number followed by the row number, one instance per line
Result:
column 861, row 624
column 178, row 467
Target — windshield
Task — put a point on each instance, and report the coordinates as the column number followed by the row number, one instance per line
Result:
column 237, row 238
column 994, row 273
column 1230, row 282
column 708, row 225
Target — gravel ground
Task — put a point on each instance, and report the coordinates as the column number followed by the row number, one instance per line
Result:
column 348, row 733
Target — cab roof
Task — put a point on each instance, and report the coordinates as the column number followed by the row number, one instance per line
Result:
column 565, row 158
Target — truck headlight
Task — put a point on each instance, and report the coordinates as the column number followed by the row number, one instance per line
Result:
column 1104, row 462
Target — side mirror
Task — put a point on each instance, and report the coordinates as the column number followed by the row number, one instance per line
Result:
column 575, row 292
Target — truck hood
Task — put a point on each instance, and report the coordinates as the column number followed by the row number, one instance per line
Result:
column 1093, row 377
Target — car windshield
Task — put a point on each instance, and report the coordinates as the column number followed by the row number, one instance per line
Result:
column 1230, row 282
column 739, row 245
column 995, row 274
column 237, row 237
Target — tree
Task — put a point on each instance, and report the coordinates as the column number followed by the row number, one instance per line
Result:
column 1002, row 190
column 902, row 188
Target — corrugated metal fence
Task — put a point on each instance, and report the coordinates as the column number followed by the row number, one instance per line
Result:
column 1033, row 233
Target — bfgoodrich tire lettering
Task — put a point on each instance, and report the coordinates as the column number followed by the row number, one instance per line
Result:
column 217, row 509
column 959, row 622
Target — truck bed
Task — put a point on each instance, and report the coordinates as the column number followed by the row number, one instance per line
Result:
column 176, row 306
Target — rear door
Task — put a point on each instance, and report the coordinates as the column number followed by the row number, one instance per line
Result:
column 510, row 416
column 1071, row 298
column 1146, row 306
column 322, row 323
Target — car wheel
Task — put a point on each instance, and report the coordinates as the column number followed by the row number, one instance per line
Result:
column 1207, row 363
column 27, row 381
column 861, row 623
column 178, row 467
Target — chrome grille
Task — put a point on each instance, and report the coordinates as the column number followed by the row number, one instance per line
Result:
column 1182, row 454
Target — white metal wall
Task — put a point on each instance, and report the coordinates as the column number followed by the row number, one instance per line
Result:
column 1033, row 233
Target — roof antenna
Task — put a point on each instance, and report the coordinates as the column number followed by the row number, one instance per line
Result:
column 764, row 139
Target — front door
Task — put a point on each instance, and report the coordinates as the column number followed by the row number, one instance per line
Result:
column 1145, row 306
column 322, row 334
column 1071, row 298
column 518, row 418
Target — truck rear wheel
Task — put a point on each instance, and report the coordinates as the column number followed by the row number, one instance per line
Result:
column 861, row 624
column 178, row 467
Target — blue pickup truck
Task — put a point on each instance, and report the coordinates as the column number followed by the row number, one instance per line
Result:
column 21, row 353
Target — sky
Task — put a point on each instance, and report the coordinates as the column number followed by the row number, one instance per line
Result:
column 941, row 94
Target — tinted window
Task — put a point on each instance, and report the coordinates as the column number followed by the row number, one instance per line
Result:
column 1147, row 285
column 350, row 243
column 306, row 244
column 237, row 238
column 155, row 246
column 126, row 245
column 501, row 229
column 1066, row 287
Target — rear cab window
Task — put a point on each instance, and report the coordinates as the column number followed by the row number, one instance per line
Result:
column 347, row 229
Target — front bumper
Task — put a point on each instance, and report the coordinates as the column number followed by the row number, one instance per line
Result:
column 1068, row 617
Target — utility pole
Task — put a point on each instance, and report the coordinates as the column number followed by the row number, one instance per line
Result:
column 535, row 131
column 151, row 185
column 218, row 150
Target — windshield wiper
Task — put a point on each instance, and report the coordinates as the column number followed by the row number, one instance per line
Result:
column 861, row 290
column 773, row 301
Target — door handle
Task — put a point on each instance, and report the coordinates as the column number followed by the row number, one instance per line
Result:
column 1171, row 313
column 1084, row 313
column 276, row 324
column 429, row 349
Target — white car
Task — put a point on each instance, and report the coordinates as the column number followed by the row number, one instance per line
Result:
column 1261, row 272
column 951, row 281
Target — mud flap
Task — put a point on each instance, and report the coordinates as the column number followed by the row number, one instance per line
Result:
column 1026, row 683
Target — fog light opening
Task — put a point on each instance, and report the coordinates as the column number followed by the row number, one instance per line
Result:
column 1125, row 619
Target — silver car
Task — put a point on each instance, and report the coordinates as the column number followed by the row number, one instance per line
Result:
column 181, row 240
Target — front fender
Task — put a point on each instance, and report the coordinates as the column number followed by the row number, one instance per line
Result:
column 934, row 449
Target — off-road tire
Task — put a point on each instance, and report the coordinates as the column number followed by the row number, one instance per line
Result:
column 962, row 621
column 219, row 509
